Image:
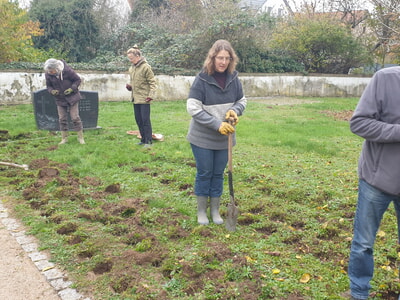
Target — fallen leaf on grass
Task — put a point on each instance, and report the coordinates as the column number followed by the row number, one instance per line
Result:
column 325, row 207
column 383, row 286
column 387, row 268
column 381, row 233
column 305, row 278
column 249, row 259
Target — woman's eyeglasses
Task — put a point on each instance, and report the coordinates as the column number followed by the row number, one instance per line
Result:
column 221, row 58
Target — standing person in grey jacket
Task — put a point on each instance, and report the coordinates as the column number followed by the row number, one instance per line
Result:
column 143, row 88
column 215, row 96
column 63, row 83
column 377, row 120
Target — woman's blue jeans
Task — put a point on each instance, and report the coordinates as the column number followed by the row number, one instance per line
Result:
column 371, row 205
column 210, row 166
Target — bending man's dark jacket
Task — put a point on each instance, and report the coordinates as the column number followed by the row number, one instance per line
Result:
column 67, row 79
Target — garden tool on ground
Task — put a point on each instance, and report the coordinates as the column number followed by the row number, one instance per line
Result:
column 233, row 210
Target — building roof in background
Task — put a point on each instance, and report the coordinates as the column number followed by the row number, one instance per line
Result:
column 252, row 4
column 272, row 7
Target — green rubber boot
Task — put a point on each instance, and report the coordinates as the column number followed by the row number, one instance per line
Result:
column 214, row 203
column 202, row 218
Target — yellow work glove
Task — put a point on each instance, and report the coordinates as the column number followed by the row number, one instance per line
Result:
column 68, row 91
column 226, row 128
column 54, row 92
column 231, row 115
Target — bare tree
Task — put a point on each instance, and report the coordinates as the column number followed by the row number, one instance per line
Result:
column 288, row 7
column 385, row 23
column 380, row 20
column 353, row 12
column 111, row 15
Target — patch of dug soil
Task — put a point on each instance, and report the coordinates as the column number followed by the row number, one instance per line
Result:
column 281, row 100
column 113, row 188
column 45, row 162
column 48, row 172
column 344, row 115
column 122, row 244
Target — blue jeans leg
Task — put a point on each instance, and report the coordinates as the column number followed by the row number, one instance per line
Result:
column 371, row 205
column 210, row 166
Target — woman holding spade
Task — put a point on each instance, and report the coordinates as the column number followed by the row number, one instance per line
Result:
column 215, row 97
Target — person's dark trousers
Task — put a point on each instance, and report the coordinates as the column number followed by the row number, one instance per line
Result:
column 142, row 117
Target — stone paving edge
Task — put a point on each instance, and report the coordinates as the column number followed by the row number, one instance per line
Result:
column 54, row 276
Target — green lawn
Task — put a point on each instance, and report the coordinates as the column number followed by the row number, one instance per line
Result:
column 121, row 219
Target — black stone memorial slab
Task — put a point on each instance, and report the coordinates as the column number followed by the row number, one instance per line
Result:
column 46, row 114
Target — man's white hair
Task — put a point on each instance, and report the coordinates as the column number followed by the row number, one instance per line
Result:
column 54, row 64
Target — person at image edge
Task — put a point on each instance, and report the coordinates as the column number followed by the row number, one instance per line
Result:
column 377, row 120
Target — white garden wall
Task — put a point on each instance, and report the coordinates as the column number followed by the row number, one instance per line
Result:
column 17, row 87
